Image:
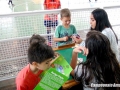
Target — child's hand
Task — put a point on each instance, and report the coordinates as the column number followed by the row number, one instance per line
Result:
column 74, row 37
column 77, row 40
column 56, row 54
column 80, row 49
column 65, row 38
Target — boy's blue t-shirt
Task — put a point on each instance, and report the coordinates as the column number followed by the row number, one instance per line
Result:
column 61, row 31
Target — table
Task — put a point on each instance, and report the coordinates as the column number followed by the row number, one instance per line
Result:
column 66, row 52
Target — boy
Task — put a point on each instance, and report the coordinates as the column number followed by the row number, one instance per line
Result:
column 51, row 20
column 64, row 32
column 39, row 57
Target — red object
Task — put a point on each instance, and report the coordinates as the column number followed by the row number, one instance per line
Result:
column 26, row 79
column 52, row 4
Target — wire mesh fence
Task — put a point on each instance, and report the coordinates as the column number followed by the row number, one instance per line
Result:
column 17, row 28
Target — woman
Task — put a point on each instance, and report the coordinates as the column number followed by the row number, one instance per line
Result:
column 99, row 21
column 101, row 66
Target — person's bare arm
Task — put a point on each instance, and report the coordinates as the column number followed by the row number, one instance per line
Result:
column 60, row 5
column 73, row 62
column 45, row 7
column 74, row 59
column 60, row 39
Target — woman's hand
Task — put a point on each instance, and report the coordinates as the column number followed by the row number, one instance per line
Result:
column 81, row 49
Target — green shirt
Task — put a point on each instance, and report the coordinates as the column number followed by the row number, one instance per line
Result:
column 61, row 31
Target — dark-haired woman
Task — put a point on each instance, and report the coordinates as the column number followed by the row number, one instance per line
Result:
column 101, row 66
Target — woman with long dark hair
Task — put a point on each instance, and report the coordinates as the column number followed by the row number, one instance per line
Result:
column 101, row 66
column 99, row 21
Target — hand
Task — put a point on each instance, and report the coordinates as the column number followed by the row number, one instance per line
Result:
column 80, row 49
column 56, row 54
column 74, row 38
column 65, row 38
column 77, row 40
